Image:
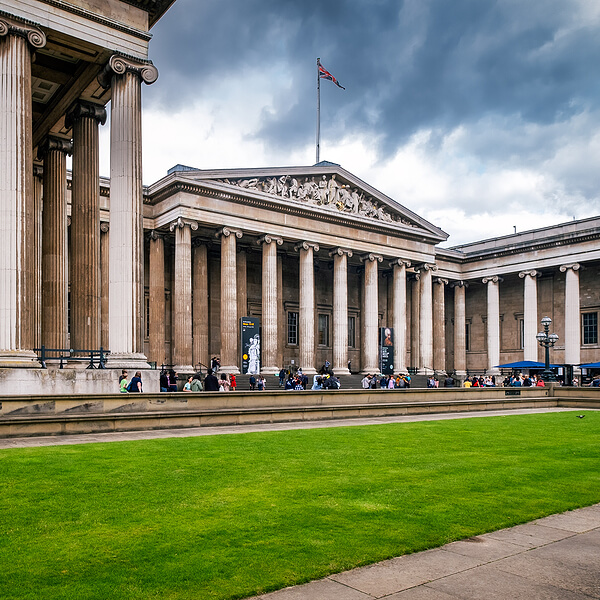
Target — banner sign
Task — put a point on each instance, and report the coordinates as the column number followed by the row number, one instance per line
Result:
column 386, row 350
column 250, row 346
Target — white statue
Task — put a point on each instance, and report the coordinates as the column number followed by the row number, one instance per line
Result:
column 254, row 355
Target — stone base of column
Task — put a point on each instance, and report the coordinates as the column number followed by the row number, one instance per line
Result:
column 230, row 370
column 440, row 374
column 270, row 370
column 494, row 372
column 184, row 369
column 136, row 362
column 425, row 371
column 460, row 375
column 369, row 371
column 341, row 371
column 309, row 370
column 21, row 359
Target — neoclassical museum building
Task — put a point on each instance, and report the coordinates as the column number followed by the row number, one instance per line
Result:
column 317, row 259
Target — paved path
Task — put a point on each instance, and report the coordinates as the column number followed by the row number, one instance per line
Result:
column 555, row 558
column 123, row 436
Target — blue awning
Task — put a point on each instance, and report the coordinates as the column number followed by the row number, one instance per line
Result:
column 525, row 364
column 595, row 365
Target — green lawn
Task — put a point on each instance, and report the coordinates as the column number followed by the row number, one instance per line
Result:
column 230, row 516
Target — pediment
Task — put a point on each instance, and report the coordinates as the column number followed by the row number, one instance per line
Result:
column 326, row 188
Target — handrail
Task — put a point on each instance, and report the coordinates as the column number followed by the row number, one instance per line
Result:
column 93, row 355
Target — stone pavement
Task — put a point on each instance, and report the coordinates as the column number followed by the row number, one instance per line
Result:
column 554, row 558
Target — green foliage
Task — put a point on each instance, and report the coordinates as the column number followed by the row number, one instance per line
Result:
column 230, row 516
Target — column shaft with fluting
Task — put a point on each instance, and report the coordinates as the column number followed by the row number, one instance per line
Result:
column 200, row 307
column 269, row 304
column 306, row 316
column 104, row 284
column 340, row 310
column 182, row 299
column 55, row 264
column 399, row 323
column 572, row 318
column 415, row 305
column 439, row 325
column 493, row 322
column 36, row 241
column 426, row 320
column 460, row 330
column 17, row 256
column 83, row 118
column 530, row 319
column 371, row 314
column 229, row 320
column 156, row 291
column 126, row 294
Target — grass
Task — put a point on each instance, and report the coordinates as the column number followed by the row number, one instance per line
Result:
column 230, row 516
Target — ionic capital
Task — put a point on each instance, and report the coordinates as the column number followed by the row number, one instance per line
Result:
column 425, row 267
column 306, row 246
column 180, row 223
column 414, row 276
column 370, row 257
column 227, row 231
column 119, row 64
column 573, row 266
column 440, row 280
column 104, row 227
column 459, row 284
column 154, row 235
column 11, row 25
column 38, row 170
column 340, row 252
column 68, row 221
column 267, row 239
column 400, row 262
column 492, row 279
column 533, row 274
column 51, row 142
column 83, row 109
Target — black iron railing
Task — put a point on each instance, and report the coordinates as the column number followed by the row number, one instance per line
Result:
column 96, row 358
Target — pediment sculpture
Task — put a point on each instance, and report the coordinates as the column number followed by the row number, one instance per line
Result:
column 327, row 192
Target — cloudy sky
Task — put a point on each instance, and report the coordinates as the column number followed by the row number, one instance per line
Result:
column 479, row 115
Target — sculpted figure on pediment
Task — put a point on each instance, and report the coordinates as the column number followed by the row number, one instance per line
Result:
column 327, row 192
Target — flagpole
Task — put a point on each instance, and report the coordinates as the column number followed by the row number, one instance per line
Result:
column 318, row 108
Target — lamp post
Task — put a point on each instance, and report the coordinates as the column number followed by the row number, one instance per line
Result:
column 547, row 340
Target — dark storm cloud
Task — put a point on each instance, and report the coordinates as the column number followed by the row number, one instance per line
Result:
column 406, row 65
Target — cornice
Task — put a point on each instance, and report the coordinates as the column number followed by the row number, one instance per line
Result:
column 91, row 16
column 296, row 210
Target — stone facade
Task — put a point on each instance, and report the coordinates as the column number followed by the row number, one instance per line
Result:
column 163, row 274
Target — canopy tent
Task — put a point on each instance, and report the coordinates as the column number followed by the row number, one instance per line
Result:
column 595, row 365
column 525, row 364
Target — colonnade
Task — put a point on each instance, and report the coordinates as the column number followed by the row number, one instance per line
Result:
column 29, row 298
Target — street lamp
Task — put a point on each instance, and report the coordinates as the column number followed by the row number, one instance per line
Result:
column 547, row 340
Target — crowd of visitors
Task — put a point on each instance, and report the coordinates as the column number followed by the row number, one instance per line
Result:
column 389, row 382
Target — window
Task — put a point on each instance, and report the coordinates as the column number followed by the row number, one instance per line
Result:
column 292, row 328
column 590, row 327
column 521, row 334
column 352, row 332
column 323, row 331
column 467, row 336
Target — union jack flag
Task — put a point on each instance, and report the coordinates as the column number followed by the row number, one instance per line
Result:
column 324, row 74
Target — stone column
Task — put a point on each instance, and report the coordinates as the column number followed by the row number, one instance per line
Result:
column 182, row 295
column 269, row 303
column 126, row 295
column 426, row 318
column 439, row 325
column 493, row 323
column 415, row 346
column 38, row 173
column 229, row 320
column 55, row 274
column 156, row 290
column 340, row 310
column 399, row 311
column 572, row 318
column 200, row 316
column 530, row 318
column 371, row 314
column 306, row 316
column 104, row 284
column 17, row 254
column 460, row 329
column 84, row 118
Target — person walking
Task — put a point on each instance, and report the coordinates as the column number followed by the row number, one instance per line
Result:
column 123, row 382
column 135, row 385
column 211, row 383
column 232, row 382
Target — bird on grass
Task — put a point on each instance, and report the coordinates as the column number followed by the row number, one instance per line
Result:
column 580, row 416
